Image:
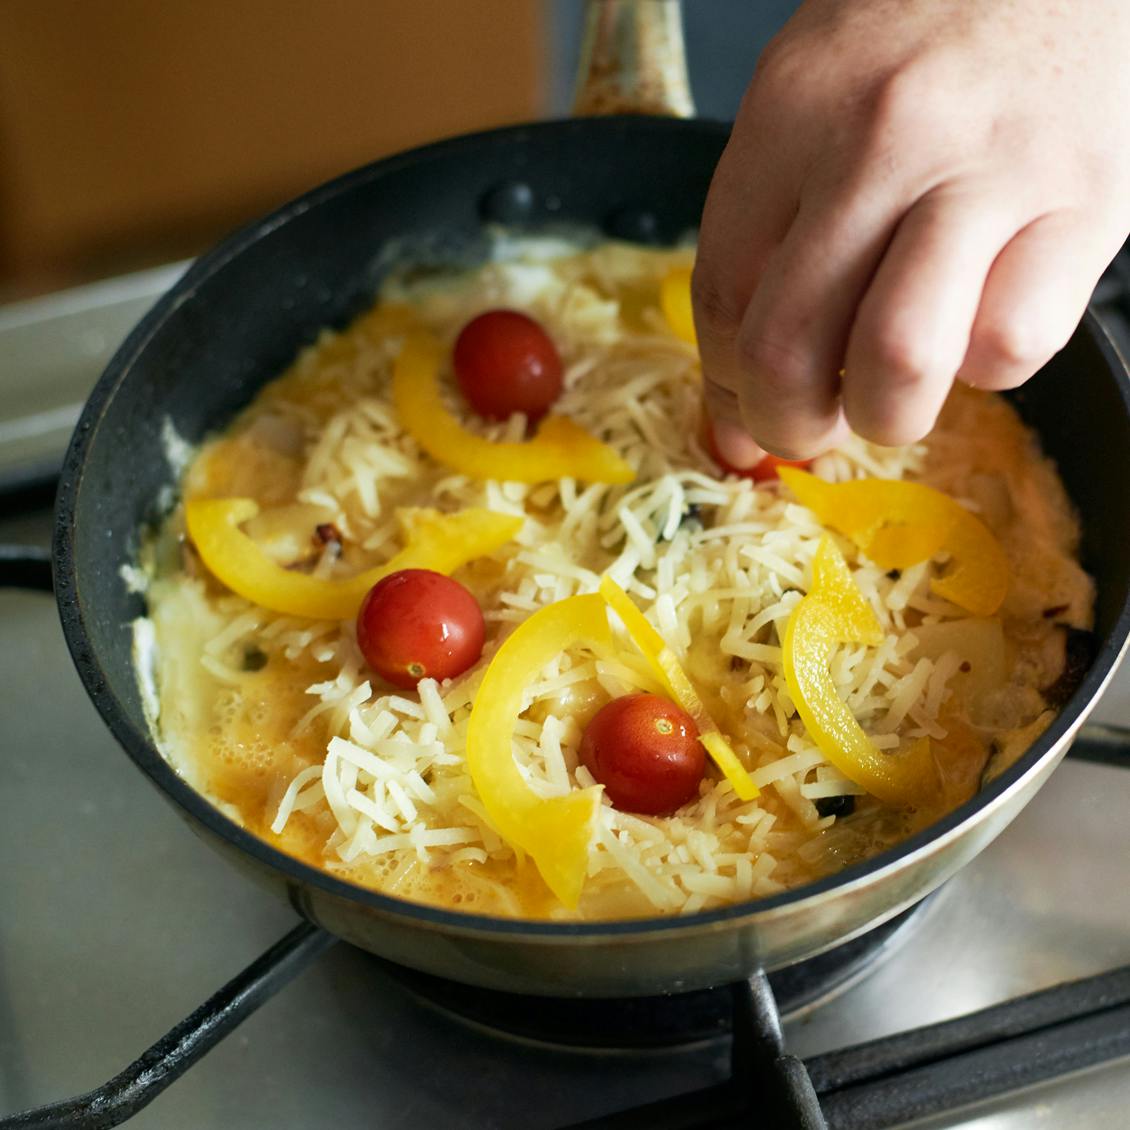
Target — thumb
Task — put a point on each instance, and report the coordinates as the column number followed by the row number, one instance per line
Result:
column 728, row 436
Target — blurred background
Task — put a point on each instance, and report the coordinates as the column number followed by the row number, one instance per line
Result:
column 138, row 132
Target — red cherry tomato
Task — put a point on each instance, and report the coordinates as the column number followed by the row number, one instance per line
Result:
column 645, row 751
column 416, row 623
column 504, row 363
column 766, row 470
column 761, row 472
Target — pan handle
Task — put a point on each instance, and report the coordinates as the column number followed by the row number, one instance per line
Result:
column 633, row 60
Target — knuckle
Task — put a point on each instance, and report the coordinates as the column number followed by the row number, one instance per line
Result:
column 903, row 109
column 778, row 69
column 716, row 307
column 902, row 386
column 778, row 366
column 1018, row 342
column 903, row 94
column 902, row 359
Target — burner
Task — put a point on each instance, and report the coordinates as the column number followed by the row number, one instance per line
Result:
column 649, row 1022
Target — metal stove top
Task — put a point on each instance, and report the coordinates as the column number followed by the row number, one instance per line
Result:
column 116, row 921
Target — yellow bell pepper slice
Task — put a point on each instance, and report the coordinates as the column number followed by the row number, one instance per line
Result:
column 559, row 449
column 675, row 302
column 835, row 612
column 556, row 832
column 674, row 679
column 898, row 524
column 441, row 542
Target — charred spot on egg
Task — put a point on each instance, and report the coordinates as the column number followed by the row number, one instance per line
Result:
column 837, row 806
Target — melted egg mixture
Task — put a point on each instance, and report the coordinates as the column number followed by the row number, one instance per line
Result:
column 276, row 718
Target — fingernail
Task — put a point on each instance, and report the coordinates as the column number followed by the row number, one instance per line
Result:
column 736, row 446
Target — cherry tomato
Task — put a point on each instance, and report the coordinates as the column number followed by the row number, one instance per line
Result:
column 761, row 472
column 505, row 362
column 645, row 751
column 766, row 470
column 416, row 623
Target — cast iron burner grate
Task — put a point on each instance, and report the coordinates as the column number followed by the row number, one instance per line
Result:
column 674, row 1020
column 878, row 1084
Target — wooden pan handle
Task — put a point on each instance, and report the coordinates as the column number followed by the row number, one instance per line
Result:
column 633, row 60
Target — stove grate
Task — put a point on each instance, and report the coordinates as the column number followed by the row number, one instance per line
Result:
column 908, row 1076
column 883, row 1083
column 167, row 1060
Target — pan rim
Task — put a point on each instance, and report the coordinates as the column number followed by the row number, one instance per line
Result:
column 143, row 751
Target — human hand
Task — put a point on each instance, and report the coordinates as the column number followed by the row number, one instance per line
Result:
column 914, row 190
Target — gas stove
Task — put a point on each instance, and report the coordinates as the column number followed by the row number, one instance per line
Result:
column 116, row 923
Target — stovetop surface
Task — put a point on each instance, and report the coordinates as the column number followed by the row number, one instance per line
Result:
column 116, row 921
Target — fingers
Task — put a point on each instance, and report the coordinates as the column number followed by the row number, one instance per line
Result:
column 1035, row 294
column 873, row 267
column 914, row 322
column 748, row 211
column 776, row 287
column 734, row 444
column 723, row 417
column 790, row 346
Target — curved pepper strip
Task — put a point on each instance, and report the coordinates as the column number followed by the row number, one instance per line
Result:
column 674, row 679
column 898, row 524
column 675, row 302
column 559, row 448
column 556, row 832
column 320, row 366
column 441, row 542
column 835, row 612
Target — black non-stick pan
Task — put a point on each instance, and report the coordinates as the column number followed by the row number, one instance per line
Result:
column 240, row 315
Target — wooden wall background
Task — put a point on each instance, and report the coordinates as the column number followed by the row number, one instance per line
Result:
column 136, row 131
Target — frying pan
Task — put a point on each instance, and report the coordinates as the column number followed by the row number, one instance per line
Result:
column 240, row 315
